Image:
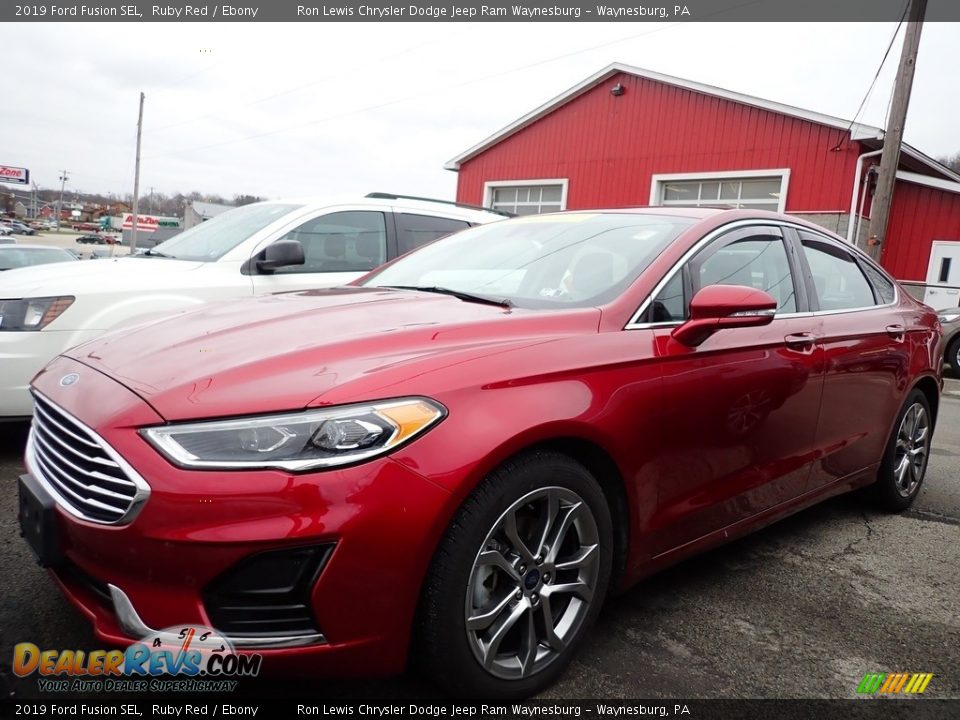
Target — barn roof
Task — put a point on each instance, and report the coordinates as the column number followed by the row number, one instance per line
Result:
column 858, row 131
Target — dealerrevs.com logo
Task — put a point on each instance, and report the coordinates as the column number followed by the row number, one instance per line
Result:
column 191, row 658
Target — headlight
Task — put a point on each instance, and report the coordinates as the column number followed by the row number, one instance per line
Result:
column 949, row 317
column 32, row 313
column 297, row 441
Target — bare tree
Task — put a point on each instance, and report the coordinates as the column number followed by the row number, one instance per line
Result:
column 951, row 161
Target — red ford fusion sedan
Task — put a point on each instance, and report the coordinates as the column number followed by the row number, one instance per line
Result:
column 459, row 457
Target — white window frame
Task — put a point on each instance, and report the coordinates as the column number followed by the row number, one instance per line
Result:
column 658, row 182
column 491, row 185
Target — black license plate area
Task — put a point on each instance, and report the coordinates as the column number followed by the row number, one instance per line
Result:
column 38, row 521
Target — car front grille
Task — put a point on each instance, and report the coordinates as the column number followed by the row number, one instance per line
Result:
column 86, row 477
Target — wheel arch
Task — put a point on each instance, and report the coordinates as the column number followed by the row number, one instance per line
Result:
column 931, row 390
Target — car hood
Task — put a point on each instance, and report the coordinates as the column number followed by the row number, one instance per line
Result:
column 292, row 350
column 75, row 278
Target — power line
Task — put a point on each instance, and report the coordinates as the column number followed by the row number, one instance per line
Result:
column 873, row 82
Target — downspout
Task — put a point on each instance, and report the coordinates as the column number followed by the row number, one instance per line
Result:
column 863, row 202
column 858, row 173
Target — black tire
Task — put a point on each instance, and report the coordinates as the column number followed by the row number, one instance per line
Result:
column 953, row 355
column 444, row 648
column 891, row 492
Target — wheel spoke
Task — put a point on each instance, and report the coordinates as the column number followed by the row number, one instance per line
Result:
column 530, row 645
column 503, row 626
column 513, row 535
column 901, row 471
column 579, row 589
column 496, row 559
column 917, row 417
column 484, row 619
column 582, row 557
column 555, row 540
column 914, row 472
column 922, row 435
column 553, row 510
column 555, row 642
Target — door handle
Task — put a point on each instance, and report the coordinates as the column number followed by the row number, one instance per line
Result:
column 897, row 332
column 802, row 342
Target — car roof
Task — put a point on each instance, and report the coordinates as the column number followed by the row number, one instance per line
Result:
column 440, row 208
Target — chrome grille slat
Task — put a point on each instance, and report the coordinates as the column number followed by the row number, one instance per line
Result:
column 48, row 416
column 48, row 451
column 62, row 487
column 47, row 438
column 89, row 458
column 83, row 473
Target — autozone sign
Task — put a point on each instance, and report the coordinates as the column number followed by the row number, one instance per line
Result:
column 145, row 223
column 10, row 174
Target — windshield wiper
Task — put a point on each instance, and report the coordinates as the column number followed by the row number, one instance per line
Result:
column 467, row 297
column 153, row 253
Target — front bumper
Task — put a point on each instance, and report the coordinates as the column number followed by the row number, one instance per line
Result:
column 381, row 521
column 22, row 355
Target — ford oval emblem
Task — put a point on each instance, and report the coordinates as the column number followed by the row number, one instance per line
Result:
column 69, row 379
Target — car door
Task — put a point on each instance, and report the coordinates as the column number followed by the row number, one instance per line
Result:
column 866, row 355
column 740, row 411
column 338, row 247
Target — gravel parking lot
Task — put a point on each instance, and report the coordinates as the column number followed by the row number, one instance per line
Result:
column 800, row 610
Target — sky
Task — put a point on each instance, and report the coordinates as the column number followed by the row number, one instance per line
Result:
column 316, row 109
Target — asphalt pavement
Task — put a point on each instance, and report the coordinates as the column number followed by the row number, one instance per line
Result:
column 802, row 609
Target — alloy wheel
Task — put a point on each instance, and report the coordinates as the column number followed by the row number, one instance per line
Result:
column 532, row 583
column 913, row 439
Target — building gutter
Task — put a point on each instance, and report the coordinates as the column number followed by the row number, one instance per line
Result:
column 857, row 177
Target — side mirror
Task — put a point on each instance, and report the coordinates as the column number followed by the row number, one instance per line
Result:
column 719, row 307
column 282, row 253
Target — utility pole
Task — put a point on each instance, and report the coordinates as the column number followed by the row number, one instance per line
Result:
column 893, row 136
column 63, row 182
column 136, row 182
column 151, row 199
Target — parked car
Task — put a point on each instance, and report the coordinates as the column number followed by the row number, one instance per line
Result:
column 97, row 239
column 951, row 337
column 21, row 256
column 5, row 230
column 252, row 250
column 20, row 228
column 461, row 454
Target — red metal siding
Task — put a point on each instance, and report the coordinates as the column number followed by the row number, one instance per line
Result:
column 919, row 216
column 609, row 147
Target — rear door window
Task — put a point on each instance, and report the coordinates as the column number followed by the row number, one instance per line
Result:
column 416, row 230
column 838, row 281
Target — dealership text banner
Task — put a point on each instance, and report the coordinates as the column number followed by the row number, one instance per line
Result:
column 464, row 10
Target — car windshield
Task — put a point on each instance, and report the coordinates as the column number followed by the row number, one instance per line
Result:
column 14, row 257
column 214, row 238
column 540, row 261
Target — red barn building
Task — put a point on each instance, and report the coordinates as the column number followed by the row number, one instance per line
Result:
column 627, row 136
